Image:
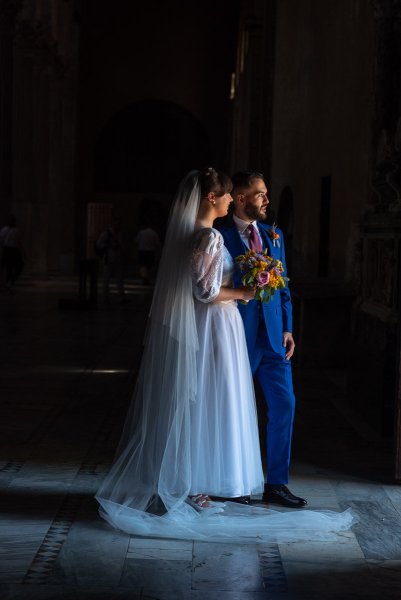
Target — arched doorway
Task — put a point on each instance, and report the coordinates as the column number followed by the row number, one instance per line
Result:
column 147, row 147
column 140, row 155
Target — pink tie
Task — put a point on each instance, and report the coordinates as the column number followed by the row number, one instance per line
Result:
column 254, row 240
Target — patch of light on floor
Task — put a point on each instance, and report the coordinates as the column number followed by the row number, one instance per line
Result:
column 61, row 369
column 107, row 371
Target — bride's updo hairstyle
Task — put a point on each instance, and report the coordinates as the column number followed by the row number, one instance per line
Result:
column 214, row 181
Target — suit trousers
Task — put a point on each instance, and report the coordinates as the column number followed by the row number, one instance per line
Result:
column 274, row 374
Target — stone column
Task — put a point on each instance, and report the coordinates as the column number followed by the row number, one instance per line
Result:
column 44, row 123
column 68, row 210
column 61, row 176
column 55, row 168
column 22, row 134
column 41, row 162
column 386, row 110
column 63, row 203
column 252, row 111
column 34, row 55
column 387, row 13
column 8, row 12
column 248, row 105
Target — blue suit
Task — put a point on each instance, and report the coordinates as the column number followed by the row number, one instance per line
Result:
column 264, row 325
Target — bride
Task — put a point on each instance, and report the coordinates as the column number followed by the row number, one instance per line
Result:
column 191, row 432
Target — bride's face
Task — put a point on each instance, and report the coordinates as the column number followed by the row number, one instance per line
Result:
column 222, row 204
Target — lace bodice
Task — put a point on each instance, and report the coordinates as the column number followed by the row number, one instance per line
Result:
column 211, row 265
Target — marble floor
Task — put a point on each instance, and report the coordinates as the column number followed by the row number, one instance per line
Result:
column 66, row 379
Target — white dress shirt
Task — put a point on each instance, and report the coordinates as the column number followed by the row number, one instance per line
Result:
column 242, row 227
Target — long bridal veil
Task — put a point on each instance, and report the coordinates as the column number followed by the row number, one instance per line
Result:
column 146, row 489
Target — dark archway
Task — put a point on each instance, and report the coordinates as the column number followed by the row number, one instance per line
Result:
column 148, row 147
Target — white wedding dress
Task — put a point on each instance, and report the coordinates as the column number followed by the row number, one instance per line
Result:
column 192, row 426
column 225, row 452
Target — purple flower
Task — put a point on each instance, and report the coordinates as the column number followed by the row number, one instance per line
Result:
column 263, row 278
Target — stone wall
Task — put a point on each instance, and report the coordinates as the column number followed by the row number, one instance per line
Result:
column 322, row 115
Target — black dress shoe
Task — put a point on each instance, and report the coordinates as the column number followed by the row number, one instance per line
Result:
column 280, row 494
column 238, row 499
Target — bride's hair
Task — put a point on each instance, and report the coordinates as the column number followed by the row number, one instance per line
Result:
column 214, row 181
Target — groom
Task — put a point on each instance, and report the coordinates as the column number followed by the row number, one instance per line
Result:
column 268, row 329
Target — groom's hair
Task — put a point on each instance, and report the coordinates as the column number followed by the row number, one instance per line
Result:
column 243, row 180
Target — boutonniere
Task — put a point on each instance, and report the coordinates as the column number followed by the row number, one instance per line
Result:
column 274, row 236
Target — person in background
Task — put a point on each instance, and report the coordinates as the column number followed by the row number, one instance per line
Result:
column 149, row 247
column 109, row 246
column 12, row 262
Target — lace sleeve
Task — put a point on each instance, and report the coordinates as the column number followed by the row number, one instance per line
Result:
column 207, row 264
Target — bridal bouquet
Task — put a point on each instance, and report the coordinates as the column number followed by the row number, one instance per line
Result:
column 263, row 272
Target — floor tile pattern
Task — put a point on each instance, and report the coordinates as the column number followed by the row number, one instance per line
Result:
column 271, row 565
column 49, row 550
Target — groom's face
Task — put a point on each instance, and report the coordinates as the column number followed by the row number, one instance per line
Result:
column 256, row 200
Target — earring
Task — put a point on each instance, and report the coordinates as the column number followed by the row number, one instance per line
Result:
column 214, row 202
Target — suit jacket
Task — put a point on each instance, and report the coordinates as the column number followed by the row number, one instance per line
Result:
column 277, row 312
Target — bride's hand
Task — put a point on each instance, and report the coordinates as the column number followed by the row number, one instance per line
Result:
column 247, row 293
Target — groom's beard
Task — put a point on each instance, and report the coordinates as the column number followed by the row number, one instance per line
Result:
column 255, row 213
